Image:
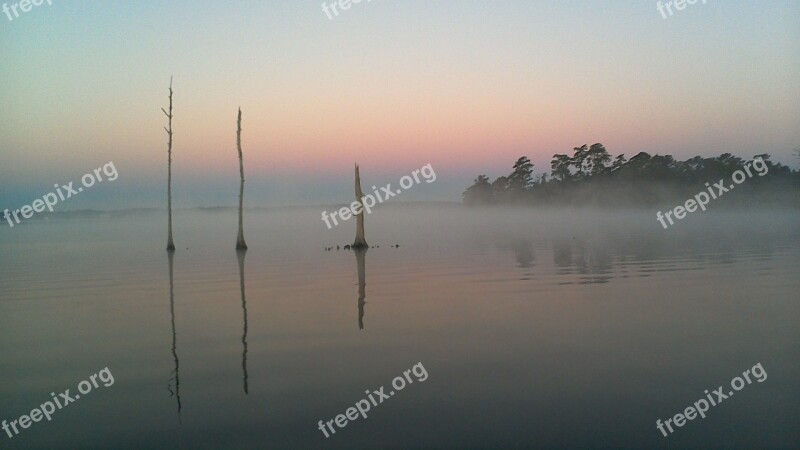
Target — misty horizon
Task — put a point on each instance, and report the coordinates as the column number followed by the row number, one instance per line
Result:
column 551, row 224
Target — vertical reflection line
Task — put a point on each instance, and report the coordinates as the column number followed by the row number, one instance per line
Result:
column 240, row 258
column 170, row 257
column 362, row 283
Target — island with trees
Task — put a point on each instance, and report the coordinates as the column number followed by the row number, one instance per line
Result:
column 592, row 177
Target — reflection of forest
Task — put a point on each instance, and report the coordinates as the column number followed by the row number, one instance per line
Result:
column 523, row 252
column 599, row 259
column 593, row 262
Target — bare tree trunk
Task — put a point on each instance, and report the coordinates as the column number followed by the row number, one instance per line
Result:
column 240, row 245
column 170, row 244
column 360, row 241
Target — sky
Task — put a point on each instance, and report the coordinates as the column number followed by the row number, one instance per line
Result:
column 466, row 86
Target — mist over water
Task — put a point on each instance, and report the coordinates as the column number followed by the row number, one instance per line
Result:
column 555, row 326
column 584, row 220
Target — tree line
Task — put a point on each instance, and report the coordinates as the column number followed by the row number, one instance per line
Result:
column 591, row 176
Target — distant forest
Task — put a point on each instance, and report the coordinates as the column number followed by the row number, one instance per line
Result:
column 591, row 176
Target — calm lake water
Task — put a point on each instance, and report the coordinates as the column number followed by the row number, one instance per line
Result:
column 537, row 328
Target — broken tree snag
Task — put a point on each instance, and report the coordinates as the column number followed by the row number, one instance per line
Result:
column 360, row 241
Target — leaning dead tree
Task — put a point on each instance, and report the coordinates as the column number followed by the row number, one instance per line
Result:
column 170, row 244
column 360, row 242
column 240, row 245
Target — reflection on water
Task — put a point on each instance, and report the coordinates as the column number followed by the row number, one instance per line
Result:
column 176, row 374
column 523, row 252
column 601, row 259
column 361, row 255
column 240, row 258
column 590, row 261
column 540, row 329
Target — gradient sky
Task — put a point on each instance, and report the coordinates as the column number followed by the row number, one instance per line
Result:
column 465, row 85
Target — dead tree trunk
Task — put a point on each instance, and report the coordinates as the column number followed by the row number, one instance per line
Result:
column 170, row 244
column 360, row 241
column 240, row 245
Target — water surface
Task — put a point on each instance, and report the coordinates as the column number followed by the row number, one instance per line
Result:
column 538, row 329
